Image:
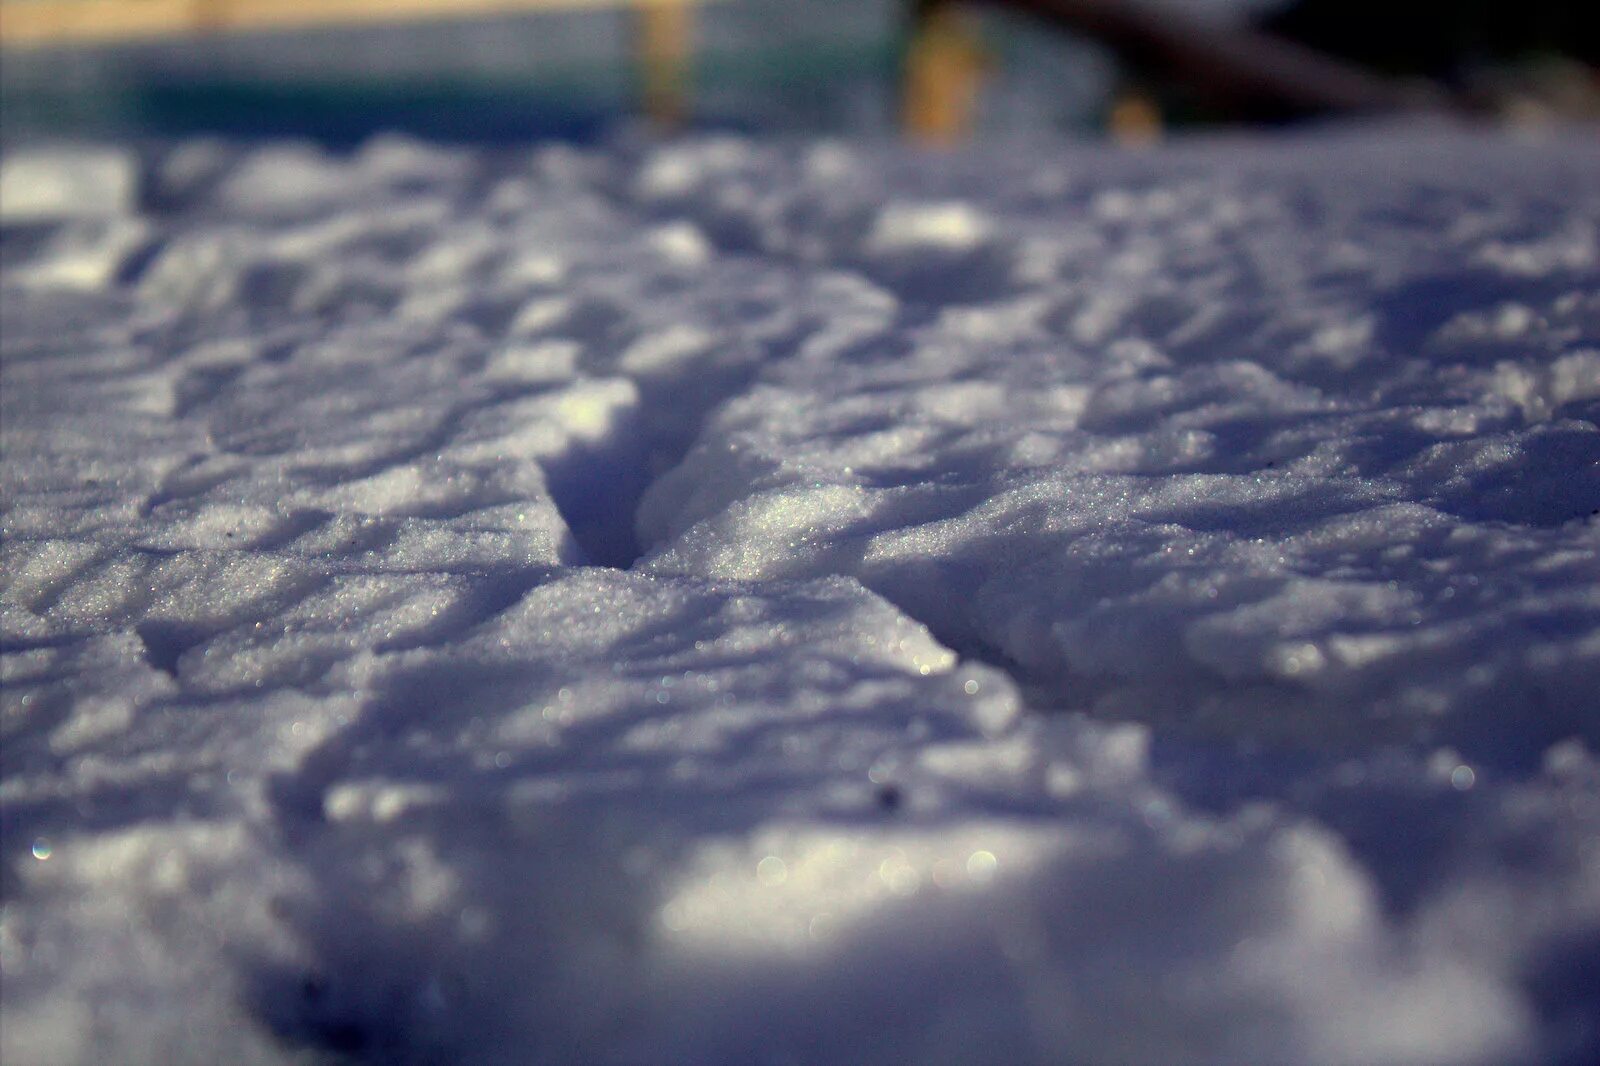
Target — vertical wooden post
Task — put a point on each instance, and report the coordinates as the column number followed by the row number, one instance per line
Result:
column 666, row 33
column 210, row 17
column 1135, row 118
column 944, row 66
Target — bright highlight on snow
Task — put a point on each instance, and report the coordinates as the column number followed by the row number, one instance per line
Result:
column 730, row 601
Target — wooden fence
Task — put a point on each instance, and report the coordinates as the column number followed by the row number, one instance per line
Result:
column 664, row 27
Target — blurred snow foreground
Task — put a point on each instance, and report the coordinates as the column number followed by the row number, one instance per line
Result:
column 734, row 602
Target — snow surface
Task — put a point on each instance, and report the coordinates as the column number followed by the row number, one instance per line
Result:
column 729, row 601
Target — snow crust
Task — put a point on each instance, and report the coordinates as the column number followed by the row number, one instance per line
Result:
column 732, row 601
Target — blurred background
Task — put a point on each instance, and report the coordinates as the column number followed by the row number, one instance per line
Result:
column 942, row 71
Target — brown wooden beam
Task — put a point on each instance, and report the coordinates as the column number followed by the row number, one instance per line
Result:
column 1230, row 64
column 43, row 22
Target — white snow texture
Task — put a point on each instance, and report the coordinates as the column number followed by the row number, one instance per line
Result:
column 727, row 601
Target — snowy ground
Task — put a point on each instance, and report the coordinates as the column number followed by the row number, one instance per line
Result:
column 744, row 602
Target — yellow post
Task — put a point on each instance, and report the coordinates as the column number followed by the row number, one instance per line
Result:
column 944, row 69
column 1134, row 119
column 665, row 38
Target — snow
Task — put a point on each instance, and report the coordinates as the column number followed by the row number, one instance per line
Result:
column 736, row 600
column 66, row 183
